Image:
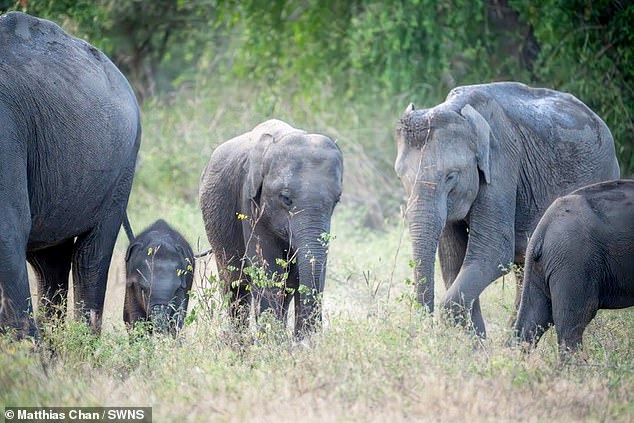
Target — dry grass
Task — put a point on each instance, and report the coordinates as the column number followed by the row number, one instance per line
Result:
column 376, row 359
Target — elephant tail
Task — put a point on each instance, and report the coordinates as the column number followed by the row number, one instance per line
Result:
column 203, row 254
column 127, row 227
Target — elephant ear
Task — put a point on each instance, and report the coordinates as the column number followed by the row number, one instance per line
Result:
column 483, row 137
column 255, row 170
column 134, row 246
column 130, row 249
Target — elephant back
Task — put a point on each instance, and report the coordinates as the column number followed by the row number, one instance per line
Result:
column 40, row 62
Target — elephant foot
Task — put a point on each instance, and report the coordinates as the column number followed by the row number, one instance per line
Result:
column 95, row 320
column 92, row 317
column 460, row 315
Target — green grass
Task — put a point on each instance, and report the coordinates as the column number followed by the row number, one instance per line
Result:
column 376, row 359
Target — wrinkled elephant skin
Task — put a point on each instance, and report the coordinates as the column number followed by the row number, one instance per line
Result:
column 579, row 260
column 480, row 169
column 267, row 195
column 69, row 136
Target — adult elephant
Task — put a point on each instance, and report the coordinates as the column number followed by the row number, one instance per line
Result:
column 69, row 136
column 480, row 169
column 267, row 197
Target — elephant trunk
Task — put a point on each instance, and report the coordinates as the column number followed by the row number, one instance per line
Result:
column 160, row 316
column 312, row 254
column 426, row 222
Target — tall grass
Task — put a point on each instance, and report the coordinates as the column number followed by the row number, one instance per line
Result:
column 378, row 357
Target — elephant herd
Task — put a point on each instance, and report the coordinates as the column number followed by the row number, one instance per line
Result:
column 496, row 174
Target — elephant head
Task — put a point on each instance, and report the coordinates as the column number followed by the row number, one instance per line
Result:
column 159, row 274
column 293, row 182
column 443, row 157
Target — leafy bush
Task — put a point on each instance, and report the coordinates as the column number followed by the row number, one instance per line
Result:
column 308, row 55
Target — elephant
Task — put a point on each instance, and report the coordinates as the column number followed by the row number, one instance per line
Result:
column 267, row 197
column 579, row 260
column 159, row 276
column 70, row 132
column 479, row 170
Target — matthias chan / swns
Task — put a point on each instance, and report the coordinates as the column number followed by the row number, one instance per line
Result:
column 79, row 414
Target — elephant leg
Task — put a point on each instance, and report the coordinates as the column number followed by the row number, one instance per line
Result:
column 236, row 288
column 52, row 266
column 491, row 246
column 266, row 275
column 15, row 225
column 270, row 298
column 575, row 301
column 91, row 261
column 15, row 296
column 462, row 297
column 452, row 246
column 240, row 302
column 270, row 293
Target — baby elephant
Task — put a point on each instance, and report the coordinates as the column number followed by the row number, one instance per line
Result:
column 579, row 259
column 159, row 276
column 267, row 197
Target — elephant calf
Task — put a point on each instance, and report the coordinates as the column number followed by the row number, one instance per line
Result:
column 579, row 260
column 267, row 197
column 159, row 276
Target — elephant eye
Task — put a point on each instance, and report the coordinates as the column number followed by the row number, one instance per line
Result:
column 452, row 175
column 286, row 200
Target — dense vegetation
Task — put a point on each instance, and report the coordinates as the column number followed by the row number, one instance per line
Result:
column 207, row 70
column 344, row 54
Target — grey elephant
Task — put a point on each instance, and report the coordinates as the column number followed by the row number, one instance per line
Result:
column 480, row 169
column 579, row 260
column 159, row 276
column 267, row 197
column 69, row 136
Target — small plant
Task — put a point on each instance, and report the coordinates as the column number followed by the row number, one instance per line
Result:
column 408, row 296
column 189, row 268
column 512, row 267
column 326, row 238
column 207, row 300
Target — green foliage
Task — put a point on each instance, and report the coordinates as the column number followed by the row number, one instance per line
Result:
column 153, row 42
column 307, row 55
column 208, row 299
column 587, row 48
column 262, row 279
column 410, row 47
column 360, row 47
